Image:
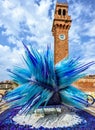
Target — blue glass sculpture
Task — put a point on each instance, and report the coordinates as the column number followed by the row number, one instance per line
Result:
column 42, row 84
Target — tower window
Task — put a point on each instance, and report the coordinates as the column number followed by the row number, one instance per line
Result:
column 64, row 12
column 59, row 11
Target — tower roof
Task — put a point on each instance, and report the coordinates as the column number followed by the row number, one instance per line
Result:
column 62, row 1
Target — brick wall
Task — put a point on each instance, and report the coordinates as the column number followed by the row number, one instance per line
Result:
column 86, row 84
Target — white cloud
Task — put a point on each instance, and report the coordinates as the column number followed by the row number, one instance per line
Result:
column 90, row 28
column 35, row 18
column 8, row 58
column 83, row 23
column 82, row 17
column 23, row 20
column 82, row 32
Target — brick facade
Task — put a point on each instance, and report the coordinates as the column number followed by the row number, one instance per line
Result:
column 86, row 84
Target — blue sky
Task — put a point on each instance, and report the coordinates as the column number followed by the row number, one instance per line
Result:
column 30, row 21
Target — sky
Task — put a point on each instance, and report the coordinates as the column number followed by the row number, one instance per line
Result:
column 30, row 21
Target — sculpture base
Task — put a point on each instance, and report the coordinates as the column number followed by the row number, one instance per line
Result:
column 67, row 119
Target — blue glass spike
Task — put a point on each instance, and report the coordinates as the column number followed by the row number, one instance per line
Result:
column 33, row 59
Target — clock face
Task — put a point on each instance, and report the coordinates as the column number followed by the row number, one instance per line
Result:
column 62, row 37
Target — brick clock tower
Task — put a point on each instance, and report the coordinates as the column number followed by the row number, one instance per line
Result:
column 61, row 25
column 60, row 29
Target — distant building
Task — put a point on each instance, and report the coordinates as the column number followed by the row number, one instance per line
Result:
column 60, row 28
column 6, row 86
